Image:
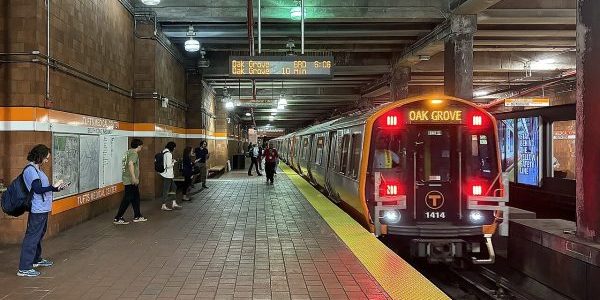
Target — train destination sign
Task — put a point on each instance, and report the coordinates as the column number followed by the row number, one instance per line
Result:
column 445, row 116
column 290, row 67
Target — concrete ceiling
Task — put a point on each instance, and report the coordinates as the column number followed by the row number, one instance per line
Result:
column 366, row 37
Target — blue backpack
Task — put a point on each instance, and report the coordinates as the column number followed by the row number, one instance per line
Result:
column 17, row 198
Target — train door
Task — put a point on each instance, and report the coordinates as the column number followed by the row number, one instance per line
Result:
column 331, row 160
column 436, row 169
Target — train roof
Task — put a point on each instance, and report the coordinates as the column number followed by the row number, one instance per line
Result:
column 360, row 117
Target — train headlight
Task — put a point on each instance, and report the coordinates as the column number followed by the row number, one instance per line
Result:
column 391, row 216
column 476, row 216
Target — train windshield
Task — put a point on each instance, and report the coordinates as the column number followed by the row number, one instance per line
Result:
column 390, row 152
column 433, row 155
column 482, row 156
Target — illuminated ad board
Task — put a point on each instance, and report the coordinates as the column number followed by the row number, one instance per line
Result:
column 288, row 67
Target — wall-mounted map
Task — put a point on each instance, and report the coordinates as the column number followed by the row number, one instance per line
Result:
column 89, row 162
column 65, row 162
column 112, row 149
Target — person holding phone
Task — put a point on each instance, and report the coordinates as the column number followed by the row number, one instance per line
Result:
column 168, row 175
column 41, row 205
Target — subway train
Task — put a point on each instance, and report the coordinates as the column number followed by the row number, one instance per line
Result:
column 424, row 169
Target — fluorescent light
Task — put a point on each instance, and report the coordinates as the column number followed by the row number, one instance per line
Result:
column 273, row 113
column 271, row 118
column 248, row 114
column 296, row 13
column 192, row 45
column 280, row 107
column 151, row 2
column 543, row 64
column 229, row 105
column 282, row 100
column 480, row 93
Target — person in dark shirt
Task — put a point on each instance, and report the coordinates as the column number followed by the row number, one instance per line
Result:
column 202, row 156
column 271, row 157
column 187, row 167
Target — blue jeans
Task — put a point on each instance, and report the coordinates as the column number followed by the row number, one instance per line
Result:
column 31, row 250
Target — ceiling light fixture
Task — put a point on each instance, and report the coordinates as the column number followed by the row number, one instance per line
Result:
column 480, row 93
column 151, row 2
column 192, row 45
column 273, row 113
column 296, row 11
column 280, row 107
column 271, row 118
column 229, row 105
column 282, row 100
column 248, row 114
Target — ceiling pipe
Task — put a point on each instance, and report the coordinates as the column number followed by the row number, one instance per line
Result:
column 250, row 25
column 528, row 89
column 48, row 99
column 259, row 29
column 302, row 23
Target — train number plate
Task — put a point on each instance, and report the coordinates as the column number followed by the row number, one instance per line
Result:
column 435, row 215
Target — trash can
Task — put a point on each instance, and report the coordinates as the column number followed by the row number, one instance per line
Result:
column 239, row 161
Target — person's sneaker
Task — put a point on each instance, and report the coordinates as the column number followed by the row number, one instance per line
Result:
column 249, row 174
column 204, row 187
column 140, row 219
column 165, row 207
column 259, row 174
column 28, row 273
column 175, row 205
column 43, row 263
column 185, row 198
column 120, row 222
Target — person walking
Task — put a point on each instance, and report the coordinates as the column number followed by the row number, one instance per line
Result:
column 254, row 160
column 38, row 183
column 168, row 176
column 202, row 156
column 271, row 157
column 131, row 180
column 187, row 171
column 260, row 158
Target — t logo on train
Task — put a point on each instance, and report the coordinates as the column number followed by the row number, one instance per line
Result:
column 425, row 169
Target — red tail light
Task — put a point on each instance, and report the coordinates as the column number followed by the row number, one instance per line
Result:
column 477, row 120
column 392, row 120
column 391, row 190
column 477, row 190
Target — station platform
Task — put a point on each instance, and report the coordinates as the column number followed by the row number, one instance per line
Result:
column 240, row 238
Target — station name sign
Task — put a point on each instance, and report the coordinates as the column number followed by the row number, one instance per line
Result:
column 527, row 102
column 288, row 67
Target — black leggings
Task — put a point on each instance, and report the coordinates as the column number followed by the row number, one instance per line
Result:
column 131, row 195
column 187, row 182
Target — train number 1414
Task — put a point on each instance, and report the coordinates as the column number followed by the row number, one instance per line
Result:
column 435, row 215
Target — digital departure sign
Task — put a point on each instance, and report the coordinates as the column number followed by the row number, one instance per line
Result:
column 290, row 67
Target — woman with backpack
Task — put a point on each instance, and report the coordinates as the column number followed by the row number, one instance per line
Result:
column 187, row 169
column 38, row 183
column 168, row 175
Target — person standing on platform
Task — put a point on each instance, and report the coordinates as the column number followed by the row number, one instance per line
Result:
column 187, row 167
column 271, row 157
column 254, row 160
column 202, row 156
column 168, row 175
column 131, row 181
column 260, row 157
column 38, row 183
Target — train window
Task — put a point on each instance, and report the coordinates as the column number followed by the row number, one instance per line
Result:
column 482, row 157
column 319, row 154
column 563, row 149
column 355, row 158
column 433, row 155
column 344, row 153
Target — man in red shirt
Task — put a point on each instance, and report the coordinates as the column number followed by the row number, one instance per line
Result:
column 271, row 156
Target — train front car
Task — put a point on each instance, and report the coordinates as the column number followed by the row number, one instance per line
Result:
column 433, row 177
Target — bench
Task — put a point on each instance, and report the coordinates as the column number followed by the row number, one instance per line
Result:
column 216, row 170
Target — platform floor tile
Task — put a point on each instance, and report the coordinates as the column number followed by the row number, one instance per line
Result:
column 239, row 239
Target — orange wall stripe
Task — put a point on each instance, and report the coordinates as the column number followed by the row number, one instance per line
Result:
column 17, row 114
column 74, row 201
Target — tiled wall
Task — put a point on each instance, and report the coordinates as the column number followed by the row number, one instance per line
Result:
column 95, row 37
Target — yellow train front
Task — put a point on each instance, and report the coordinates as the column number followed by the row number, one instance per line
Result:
column 425, row 169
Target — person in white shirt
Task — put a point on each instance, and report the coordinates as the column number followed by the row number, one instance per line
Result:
column 168, row 176
column 384, row 158
column 254, row 153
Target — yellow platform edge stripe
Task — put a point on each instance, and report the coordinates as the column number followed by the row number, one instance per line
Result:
column 397, row 277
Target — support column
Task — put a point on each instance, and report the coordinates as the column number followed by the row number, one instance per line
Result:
column 400, row 76
column 588, row 110
column 458, row 57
